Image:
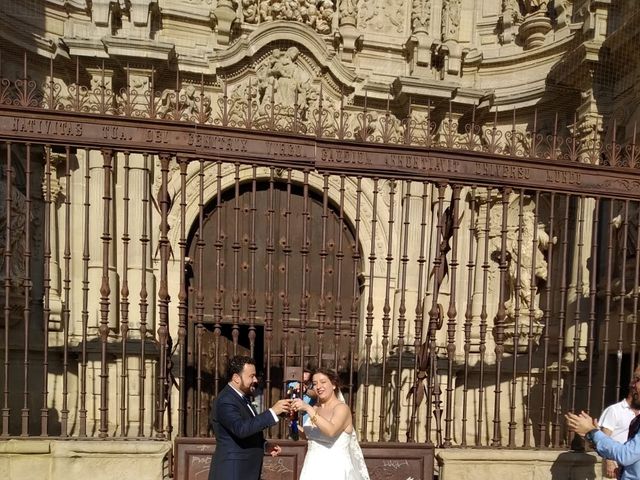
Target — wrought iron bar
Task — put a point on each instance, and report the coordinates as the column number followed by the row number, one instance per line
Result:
column 27, row 284
column 124, row 298
column 218, row 305
column 561, row 319
column 624, row 227
column 144, row 294
column 418, row 375
column 483, row 315
column 305, row 250
column 435, row 320
column 607, row 300
column 235, row 248
column 593, row 277
column 581, row 206
column 86, row 257
column 66, row 307
column 6, row 410
column 402, row 310
column 468, row 314
column 183, row 308
column 253, row 248
column 547, row 320
column 199, row 304
column 368, row 340
column 105, row 292
column 533, row 317
column 164, row 338
column 500, row 320
column 450, row 233
column 269, row 296
column 354, row 314
column 634, row 295
column 321, row 315
column 386, row 310
column 339, row 257
column 516, row 317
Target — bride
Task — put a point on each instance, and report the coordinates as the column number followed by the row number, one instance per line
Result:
column 332, row 448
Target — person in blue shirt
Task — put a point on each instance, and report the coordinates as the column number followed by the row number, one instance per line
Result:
column 626, row 455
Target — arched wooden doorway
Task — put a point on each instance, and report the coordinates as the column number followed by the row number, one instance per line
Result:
column 280, row 280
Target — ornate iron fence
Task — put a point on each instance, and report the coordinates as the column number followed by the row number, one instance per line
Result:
column 469, row 279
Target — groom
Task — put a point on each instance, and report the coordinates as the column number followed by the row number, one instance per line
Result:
column 240, row 444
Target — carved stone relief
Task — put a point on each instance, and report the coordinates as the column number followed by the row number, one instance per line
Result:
column 450, row 19
column 526, row 18
column 526, row 270
column 16, row 219
column 420, row 16
column 385, row 16
column 318, row 14
column 282, row 89
column 189, row 104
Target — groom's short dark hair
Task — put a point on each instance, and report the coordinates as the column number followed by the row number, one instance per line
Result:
column 236, row 364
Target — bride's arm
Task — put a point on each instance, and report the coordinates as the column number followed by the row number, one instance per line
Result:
column 338, row 423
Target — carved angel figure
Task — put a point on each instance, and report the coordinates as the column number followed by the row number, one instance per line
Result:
column 187, row 104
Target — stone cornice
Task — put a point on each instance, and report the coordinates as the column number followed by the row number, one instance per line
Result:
column 139, row 48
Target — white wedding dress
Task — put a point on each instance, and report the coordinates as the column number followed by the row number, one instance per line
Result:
column 334, row 458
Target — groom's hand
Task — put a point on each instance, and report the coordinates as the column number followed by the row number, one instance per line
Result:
column 282, row 406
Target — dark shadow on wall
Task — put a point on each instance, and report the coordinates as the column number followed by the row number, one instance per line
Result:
column 574, row 466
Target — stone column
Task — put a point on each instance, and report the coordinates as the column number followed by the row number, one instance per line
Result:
column 140, row 246
column 348, row 34
column 451, row 10
column 56, row 231
column 420, row 41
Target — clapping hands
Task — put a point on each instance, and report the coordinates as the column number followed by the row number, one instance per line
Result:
column 581, row 424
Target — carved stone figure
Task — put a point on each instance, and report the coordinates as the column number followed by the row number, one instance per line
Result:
column 380, row 15
column 283, row 89
column 318, row 14
column 450, row 19
column 189, row 104
column 524, row 272
column 280, row 76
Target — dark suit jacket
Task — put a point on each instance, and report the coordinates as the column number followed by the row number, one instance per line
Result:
column 239, row 439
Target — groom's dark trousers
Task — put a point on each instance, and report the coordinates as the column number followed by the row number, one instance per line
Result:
column 239, row 439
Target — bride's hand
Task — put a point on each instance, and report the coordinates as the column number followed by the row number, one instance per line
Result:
column 299, row 405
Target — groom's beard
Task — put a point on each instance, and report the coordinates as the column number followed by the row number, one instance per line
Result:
column 249, row 389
